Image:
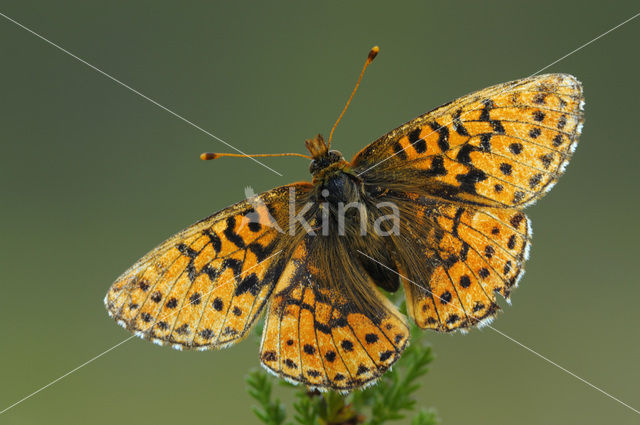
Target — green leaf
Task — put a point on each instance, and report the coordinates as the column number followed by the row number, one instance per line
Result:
column 306, row 408
column 270, row 412
column 425, row 417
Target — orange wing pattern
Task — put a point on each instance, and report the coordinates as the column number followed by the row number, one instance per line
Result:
column 204, row 287
column 460, row 175
column 476, row 253
column 321, row 338
column 503, row 146
column 476, row 162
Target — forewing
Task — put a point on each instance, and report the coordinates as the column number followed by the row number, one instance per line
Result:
column 504, row 146
column 204, row 287
column 320, row 337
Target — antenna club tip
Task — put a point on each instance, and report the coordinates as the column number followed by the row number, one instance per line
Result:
column 373, row 52
column 208, row 156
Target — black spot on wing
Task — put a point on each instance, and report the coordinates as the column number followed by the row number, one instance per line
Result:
column 485, row 115
column 186, row 251
column 249, row 283
column 562, row 122
column 371, row 338
column 546, row 160
column 385, row 355
column 418, row 144
column 269, row 356
column 445, row 298
column 489, row 251
column 518, row 196
column 208, row 334
column 534, row 133
column 539, row 99
column 535, row 180
column 232, row 263
column 210, row 271
column 347, row 345
column 182, row 329
column 464, row 154
column 506, row 169
column 557, row 140
column 498, row 127
column 217, row 304
column 457, row 124
column 231, row 234
column 468, row 181
column 516, row 220
column 443, row 135
column 452, row 319
column 515, row 148
column 195, row 299
column 399, row 151
column 436, row 168
column 214, row 240
column 488, row 106
column 362, row 369
column 262, row 251
column 143, row 284
column 330, row 356
column 485, row 142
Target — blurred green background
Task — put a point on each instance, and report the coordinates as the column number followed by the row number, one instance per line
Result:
column 93, row 176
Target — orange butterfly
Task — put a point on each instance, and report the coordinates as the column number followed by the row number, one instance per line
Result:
column 435, row 204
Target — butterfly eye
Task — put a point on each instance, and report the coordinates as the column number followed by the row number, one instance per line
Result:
column 315, row 166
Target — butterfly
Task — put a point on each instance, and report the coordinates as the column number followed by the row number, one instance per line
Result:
column 434, row 206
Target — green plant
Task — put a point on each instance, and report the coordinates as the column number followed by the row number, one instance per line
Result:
column 390, row 399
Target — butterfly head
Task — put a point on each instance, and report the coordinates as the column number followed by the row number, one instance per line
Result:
column 323, row 159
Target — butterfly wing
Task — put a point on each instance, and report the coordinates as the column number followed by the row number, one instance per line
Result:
column 504, row 146
column 474, row 254
column 204, row 287
column 470, row 166
column 321, row 337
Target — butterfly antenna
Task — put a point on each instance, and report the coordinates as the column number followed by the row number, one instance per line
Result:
column 372, row 54
column 206, row 156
